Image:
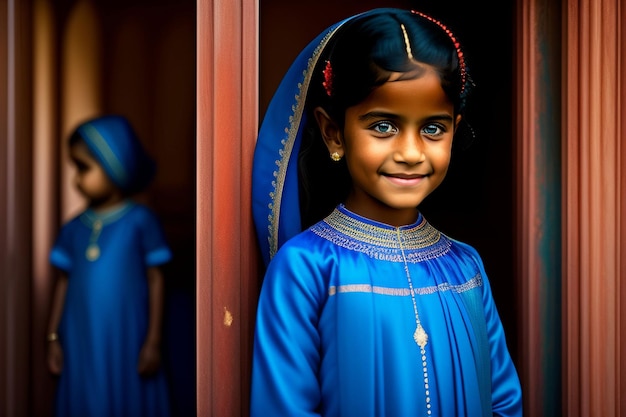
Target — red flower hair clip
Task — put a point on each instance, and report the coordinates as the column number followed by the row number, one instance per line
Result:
column 328, row 78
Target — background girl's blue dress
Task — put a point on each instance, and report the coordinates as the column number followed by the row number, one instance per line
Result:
column 106, row 313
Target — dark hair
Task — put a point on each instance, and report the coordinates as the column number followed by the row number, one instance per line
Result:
column 363, row 53
column 75, row 138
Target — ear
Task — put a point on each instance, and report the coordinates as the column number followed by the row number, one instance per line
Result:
column 330, row 131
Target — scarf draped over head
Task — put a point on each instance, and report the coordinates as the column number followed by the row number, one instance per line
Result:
column 275, row 205
column 114, row 144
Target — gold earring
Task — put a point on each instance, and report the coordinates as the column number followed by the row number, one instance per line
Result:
column 335, row 156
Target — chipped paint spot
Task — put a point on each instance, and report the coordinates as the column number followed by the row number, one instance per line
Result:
column 228, row 318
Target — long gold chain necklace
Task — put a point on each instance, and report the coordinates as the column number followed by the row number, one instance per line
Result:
column 420, row 336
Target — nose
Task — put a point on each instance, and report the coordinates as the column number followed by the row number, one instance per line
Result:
column 410, row 148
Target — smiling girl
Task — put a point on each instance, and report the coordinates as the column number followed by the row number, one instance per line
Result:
column 366, row 309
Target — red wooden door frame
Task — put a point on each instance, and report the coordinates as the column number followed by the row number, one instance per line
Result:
column 227, row 284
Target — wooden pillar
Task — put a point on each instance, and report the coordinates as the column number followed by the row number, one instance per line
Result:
column 594, row 209
column 538, row 203
column 15, row 206
column 227, row 262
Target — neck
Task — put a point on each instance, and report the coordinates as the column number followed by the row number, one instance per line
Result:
column 384, row 214
column 107, row 204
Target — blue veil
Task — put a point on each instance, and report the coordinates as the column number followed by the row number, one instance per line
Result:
column 275, row 205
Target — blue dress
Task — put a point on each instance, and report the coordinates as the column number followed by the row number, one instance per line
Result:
column 105, row 315
column 337, row 319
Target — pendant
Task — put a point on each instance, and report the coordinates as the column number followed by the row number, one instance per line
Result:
column 420, row 336
column 93, row 252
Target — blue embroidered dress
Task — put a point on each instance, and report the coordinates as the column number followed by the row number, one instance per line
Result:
column 336, row 322
column 105, row 316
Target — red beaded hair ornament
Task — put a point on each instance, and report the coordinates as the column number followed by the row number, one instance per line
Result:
column 457, row 45
column 328, row 78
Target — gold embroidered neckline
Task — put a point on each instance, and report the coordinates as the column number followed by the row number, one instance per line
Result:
column 411, row 243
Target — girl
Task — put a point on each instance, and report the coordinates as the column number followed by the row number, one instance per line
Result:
column 105, row 325
column 370, row 311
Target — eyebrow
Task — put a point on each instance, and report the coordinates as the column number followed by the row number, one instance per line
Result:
column 80, row 159
column 385, row 115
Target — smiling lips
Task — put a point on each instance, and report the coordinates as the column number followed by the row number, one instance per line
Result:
column 405, row 180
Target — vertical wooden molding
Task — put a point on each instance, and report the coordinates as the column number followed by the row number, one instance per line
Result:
column 529, row 362
column 45, row 196
column 249, row 258
column 5, row 377
column 571, row 249
column 593, row 238
column 621, row 198
column 227, row 123
column 15, row 206
column 538, row 138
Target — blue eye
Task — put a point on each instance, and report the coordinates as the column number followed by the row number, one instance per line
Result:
column 385, row 128
column 433, row 130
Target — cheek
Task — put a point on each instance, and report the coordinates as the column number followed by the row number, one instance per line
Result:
column 364, row 158
column 441, row 155
column 93, row 181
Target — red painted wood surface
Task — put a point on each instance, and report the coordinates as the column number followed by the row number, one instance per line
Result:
column 227, row 283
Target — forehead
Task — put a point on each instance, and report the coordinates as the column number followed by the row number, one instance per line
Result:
column 421, row 93
column 80, row 152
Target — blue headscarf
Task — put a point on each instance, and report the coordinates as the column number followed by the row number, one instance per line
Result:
column 114, row 144
column 275, row 204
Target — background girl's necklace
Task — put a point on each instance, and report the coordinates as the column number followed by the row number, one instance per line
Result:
column 93, row 250
column 96, row 221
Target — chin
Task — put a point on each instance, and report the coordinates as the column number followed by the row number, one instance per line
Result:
column 406, row 204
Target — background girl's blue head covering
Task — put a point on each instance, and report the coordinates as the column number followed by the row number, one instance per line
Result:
column 114, row 144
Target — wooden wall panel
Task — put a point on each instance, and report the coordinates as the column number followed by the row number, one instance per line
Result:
column 592, row 200
column 593, row 215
